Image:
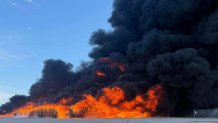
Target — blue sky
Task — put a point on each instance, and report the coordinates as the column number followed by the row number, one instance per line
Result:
column 32, row 31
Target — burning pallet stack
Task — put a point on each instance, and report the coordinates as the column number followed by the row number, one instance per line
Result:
column 51, row 113
column 45, row 113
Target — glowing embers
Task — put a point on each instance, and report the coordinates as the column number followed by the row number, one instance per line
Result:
column 100, row 74
column 113, row 64
column 66, row 100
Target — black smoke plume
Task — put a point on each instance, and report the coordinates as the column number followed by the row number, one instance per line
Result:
column 56, row 75
column 14, row 102
column 173, row 43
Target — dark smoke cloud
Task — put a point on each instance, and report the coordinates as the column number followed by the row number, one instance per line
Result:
column 180, row 69
column 56, row 75
column 172, row 43
column 157, row 42
column 14, row 102
column 168, row 42
column 207, row 30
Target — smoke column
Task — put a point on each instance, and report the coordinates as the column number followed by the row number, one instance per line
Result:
column 173, row 43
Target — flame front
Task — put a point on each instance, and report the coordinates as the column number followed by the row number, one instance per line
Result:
column 61, row 110
column 110, row 104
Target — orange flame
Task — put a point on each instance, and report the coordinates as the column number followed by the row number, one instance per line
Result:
column 65, row 100
column 100, row 74
column 113, row 64
column 110, row 104
column 121, row 67
column 62, row 111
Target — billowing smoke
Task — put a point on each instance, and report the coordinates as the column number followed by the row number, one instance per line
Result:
column 173, row 43
column 56, row 75
column 14, row 102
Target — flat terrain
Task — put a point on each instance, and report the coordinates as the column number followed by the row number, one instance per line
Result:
column 146, row 120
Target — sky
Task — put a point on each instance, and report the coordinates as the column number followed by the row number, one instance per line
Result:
column 32, row 31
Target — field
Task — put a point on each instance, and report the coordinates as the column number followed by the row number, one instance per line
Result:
column 147, row 120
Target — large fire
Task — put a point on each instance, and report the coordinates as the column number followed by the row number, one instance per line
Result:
column 31, row 109
column 110, row 104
